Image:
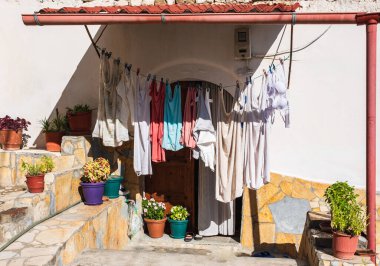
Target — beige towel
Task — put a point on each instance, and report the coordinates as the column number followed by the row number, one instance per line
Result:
column 229, row 155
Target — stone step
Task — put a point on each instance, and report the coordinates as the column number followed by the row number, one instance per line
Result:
column 61, row 191
column 10, row 164
column 318, row 245
column 59, row 240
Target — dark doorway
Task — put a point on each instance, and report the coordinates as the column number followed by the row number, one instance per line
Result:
column 176, row 181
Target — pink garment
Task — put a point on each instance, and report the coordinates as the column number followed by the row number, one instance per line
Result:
column 189, row 117
column 157, row 121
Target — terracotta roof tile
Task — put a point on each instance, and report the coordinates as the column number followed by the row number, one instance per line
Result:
column 177, row 9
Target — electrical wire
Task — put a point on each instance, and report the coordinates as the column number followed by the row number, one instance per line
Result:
column 272, row 56
column 297, row 49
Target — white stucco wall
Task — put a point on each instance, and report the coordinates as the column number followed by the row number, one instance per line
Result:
column 47, row 67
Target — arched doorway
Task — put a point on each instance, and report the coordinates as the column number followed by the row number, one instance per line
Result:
column 182, row 180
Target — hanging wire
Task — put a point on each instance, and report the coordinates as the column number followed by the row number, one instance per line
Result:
column 279, row 43
column 272, row 56
column 297, row 49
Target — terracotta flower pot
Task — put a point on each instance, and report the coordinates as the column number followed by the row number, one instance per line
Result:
column 53, row 140
column 80, row 123
column 155, row 227
column 344, row 246
column 11, row 139
column 35, row 184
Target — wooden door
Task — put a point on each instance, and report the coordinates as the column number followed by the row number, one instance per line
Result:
column 172, row 182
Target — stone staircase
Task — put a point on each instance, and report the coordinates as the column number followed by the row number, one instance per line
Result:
column 18, row 208
column 63, row 226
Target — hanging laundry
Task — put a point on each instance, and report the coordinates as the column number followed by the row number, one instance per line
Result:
column 130, row 85
column 255, row 138
column 229, row 147
column 172, row 119
column 189, row 116
column 277, row 92
column 125, row 105
column 141, row 147
column 112, row 119
column 214, row 217
column 204, row 132
column 157, row 121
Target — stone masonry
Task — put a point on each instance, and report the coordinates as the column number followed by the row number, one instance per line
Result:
column 275, row 215
column 19, row 208
column 59, row 240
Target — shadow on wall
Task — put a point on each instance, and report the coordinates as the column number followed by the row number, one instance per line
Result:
column 82, row 87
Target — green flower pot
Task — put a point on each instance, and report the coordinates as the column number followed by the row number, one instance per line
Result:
column 112, row 187
column 178, row 228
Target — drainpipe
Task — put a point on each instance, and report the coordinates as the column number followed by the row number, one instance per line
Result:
column 371, row 20
column 371, row 133
column 252, row 18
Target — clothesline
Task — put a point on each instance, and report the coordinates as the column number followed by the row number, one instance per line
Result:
column 162, row 78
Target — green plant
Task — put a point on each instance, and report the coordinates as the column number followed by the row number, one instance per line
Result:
column 179, row 213
column 96, row 171
column 347, row 215
column 44, row 165
column 58, row 124
column 78, row 108
column 152, row 209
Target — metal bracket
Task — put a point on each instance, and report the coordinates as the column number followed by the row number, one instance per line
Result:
column 36, row 19
column 92, row 41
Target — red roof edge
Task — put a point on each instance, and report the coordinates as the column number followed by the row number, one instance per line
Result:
column 177, row 9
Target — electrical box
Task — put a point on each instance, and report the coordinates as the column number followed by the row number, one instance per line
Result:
column 242, row 43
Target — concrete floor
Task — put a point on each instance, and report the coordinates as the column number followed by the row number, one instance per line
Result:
column 157, row 256
column 169, row 252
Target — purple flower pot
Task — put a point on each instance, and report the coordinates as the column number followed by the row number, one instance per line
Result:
column 93, row 193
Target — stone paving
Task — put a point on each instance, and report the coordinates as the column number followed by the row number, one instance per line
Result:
column 59, row 240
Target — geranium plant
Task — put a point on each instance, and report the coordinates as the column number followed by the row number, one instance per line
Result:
column 43, row 166
column 152, row 209
column 8, row 123
column 96, row 171
column 179, row 213
column 347, row 215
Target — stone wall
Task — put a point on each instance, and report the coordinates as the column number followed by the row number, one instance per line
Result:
column 274, row 216
column 10, row 165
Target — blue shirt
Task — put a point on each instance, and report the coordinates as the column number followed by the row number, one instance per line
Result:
column 172, row 119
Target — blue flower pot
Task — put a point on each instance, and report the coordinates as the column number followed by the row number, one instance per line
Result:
column 112, row 187
column 178, row 228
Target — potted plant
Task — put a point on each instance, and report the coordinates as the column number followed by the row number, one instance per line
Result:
column 112, row 186
column 154, row 217
column 348, row 219
column 178, row 221
column 94, row 176
column 35, row 173
column 79, row 119
column 54, row 131
column 11, row 132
